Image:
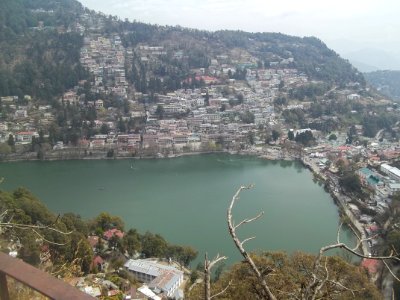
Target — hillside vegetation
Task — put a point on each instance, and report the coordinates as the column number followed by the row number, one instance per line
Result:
column 39, row 57
column 40, row 44
column 67, row 253
column 60, row 243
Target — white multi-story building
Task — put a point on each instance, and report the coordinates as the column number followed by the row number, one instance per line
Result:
column 166, row 279
column 392, row 172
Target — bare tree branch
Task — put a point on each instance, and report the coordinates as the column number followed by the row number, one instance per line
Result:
column 223, row 291
column 338, row 232
column 3, row 214
column 320, row 284
column 390, row 270
column 245, row 221
column 34, row 228
column 289, row 295
column 344, row 246
column 26, row 226
column 216, row 260
column 311, row 291
column 246, row 240
column 207, row 276
column 344, row 287
column 232, row 230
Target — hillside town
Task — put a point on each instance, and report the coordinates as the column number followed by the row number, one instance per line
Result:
column 237, row 105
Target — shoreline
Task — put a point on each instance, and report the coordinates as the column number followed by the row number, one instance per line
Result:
column 339, row 200
column 79, row 154
column 280, row 156
column 101, row 156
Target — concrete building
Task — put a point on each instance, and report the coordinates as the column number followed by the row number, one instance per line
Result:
column 394, row 188
column 25, row 137
column 160, row 278
column 370, row 178
column 392, row 172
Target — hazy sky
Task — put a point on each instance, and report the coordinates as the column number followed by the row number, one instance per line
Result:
column 345, row 25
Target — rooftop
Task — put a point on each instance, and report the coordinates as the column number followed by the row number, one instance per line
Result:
column 371, row 265
column 166, row 280
column 149, row 267
column 391, row 169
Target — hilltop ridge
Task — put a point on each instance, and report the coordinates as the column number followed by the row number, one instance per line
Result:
column 40, row 41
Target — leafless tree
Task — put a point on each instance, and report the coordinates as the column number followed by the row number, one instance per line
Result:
column 208, row 265
column 6, row 223
column 316, row 284
column 239, row 244
column 319, row 273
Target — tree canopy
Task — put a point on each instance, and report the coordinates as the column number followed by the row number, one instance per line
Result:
column 291, row 275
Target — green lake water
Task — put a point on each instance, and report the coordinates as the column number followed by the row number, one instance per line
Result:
column 185, row 199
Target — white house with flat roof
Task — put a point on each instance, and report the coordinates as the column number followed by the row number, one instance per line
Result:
column 160, row 278
column 392, row 172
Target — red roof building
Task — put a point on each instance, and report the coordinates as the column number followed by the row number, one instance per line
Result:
column 98, row 262
column 344, row 148
column 113, row 232
column 372, row 265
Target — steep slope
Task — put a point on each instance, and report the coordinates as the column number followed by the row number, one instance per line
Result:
column 40, row 42
column 308, row 54
column 39, row 51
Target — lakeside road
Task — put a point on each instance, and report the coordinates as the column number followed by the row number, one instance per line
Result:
column 342, row 201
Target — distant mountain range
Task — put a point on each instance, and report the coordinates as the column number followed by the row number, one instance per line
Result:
column 381, row 69
column 386, row 82
column 367, row 60
column 363, row 67
column 367, row 56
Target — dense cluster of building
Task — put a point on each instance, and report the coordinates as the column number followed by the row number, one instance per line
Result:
column 105, row 59
column 226, row 114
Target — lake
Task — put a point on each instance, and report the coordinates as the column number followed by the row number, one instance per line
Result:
column 185, row 199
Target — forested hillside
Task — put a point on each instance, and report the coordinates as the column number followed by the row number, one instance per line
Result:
column 40, row 237
column 39, row 55
column 40, row 43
